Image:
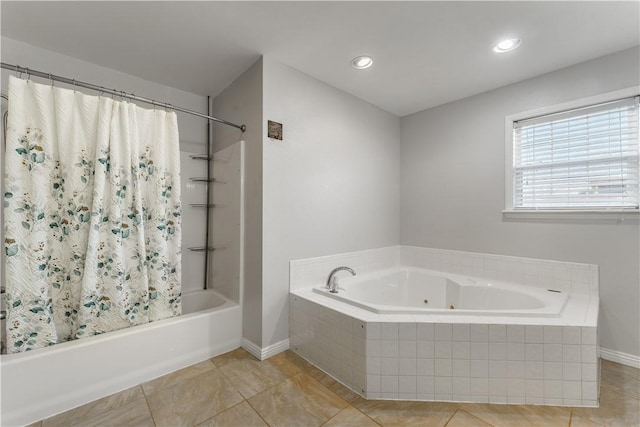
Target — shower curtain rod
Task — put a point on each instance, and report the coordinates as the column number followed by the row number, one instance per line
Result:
column 114, row 92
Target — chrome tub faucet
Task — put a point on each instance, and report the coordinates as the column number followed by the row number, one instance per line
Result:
column 332, row 285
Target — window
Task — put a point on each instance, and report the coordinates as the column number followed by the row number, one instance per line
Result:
column 583, row 158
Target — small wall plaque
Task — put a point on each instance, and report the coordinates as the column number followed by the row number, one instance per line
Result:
column 274, row 130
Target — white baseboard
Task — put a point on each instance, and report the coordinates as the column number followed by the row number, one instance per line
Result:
column 620, row 357
column 266, row 352
column 251, row 348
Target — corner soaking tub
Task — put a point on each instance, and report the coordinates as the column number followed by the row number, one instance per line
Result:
column 409, row 290
column 44, row 382
column 406, row 332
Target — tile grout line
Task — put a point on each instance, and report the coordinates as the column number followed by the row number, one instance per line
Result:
column 240, row 392
column 471, row 415
column 244, row 399
column 343, row 409
column 366, row 415
column 264, row 391
column 257, row 412
column 586, row 418
column 452, row 415
column 222, row 412
column 148, row 406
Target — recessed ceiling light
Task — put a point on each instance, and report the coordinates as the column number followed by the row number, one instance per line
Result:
column 361, row 62
column 506, row 45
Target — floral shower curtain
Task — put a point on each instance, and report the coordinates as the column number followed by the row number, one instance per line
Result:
column 92, row 215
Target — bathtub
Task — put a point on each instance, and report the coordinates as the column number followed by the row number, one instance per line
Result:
column 438, row 325
column 44, row 382
column 410, row 290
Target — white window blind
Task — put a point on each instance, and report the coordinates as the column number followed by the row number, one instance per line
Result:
column 581, row 159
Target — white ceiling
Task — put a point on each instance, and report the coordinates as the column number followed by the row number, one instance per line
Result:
column 425, row 53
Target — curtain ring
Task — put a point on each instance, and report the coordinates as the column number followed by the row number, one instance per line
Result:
column 74, row 85
column 51, row 79
column 28, row 74
column 153, row 102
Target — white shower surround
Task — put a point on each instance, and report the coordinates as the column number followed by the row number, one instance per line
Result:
column 496, row 359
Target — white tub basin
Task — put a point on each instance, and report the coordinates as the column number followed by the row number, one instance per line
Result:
column 408, row 290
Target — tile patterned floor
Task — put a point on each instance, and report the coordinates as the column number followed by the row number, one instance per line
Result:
column 235, row 389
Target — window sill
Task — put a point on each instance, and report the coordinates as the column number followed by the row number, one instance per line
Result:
column 606, row 215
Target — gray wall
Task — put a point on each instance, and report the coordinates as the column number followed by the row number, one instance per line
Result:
column 241, row 102
column 331, row 186
column 452, row 189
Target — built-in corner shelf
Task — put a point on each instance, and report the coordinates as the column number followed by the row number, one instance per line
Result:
column 217, row 181
column 201, row 249
column 205, row 157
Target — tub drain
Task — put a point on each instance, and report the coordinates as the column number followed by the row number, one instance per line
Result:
column 452, row 307
column 426, row 301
